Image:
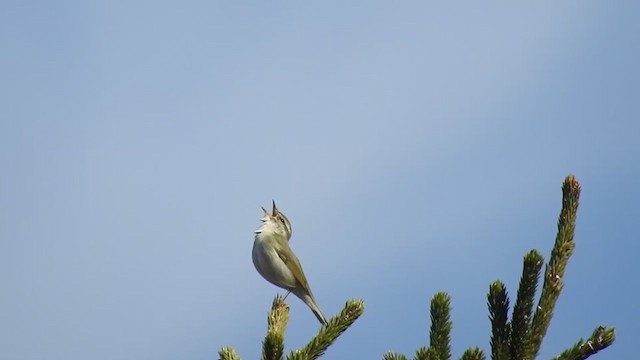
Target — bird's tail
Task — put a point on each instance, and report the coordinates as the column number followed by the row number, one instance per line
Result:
column 310, row 301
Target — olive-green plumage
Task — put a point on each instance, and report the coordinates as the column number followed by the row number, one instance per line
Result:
column 276, row 262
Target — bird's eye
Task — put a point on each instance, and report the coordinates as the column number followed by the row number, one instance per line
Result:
column 282, row 220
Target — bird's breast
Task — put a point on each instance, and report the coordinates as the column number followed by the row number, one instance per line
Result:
column 269, row 264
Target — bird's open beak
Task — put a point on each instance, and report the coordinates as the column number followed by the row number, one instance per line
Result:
column 275, row 209
column 266, row 213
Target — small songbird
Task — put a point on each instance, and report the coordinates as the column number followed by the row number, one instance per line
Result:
column 276, row 262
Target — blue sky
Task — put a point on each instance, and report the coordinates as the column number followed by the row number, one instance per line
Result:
column 416, row 147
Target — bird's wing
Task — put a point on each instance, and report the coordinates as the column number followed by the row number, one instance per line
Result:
column 292, row 262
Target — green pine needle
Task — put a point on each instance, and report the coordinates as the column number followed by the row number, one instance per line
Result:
column 329, row 333
column 498, row 302
column 273, row 343
column 272, row 347
column 554, row 272
column 228, row 353
column 601, row 338
column 520, row 346
column 426, row 353
column 439, row 335
column 393, row 356
column 473, row 354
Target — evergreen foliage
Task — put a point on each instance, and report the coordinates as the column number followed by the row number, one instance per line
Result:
column 520, row 344
column 498, row 302
column 473, row 354
column 518, row 339
column 273, row 343
column 439, row 335
column 599, row 339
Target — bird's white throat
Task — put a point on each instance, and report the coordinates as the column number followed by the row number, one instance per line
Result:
column 267, row 228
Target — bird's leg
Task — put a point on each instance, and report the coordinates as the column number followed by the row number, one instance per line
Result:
column 285, row 296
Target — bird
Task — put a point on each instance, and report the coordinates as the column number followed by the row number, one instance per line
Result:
column 277, row 263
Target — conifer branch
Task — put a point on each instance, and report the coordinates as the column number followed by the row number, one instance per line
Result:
column 519, row 339
column 227, row 353
column 498, row 302
column 520, row 346
column 393, row 356
column 554, row 271
column 273, row 344
column 473, row 354
column 330, row 332
column 439, row 335
column 601, row 338
column 426, row 353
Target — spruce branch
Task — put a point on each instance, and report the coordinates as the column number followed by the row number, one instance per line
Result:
column 393, row 356
column 272, row 347
column 273, row 343
column 601, row 338
column 554, row 271
column 498, row 303
column 330, row 332
column 426, row 353
column 473, row 354
column 227, row 353
column 439, row 335
column 520, row 346
column 519, row 339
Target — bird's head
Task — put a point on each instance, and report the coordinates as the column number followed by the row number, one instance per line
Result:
column 275, row 222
